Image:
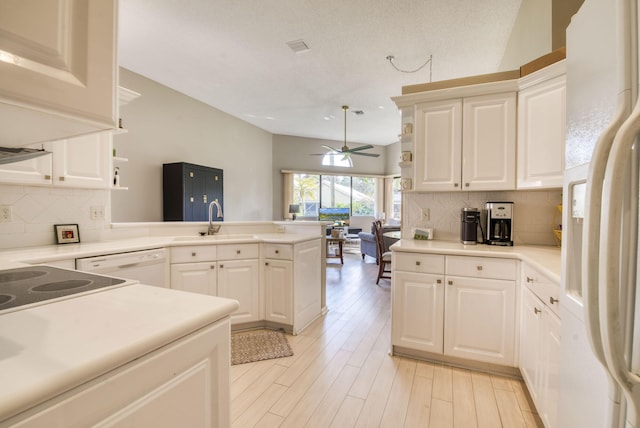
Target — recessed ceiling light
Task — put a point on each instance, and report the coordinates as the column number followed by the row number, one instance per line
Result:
column 298, row 46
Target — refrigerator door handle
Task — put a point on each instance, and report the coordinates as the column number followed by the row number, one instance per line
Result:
column 610, row 247
column 591, row 234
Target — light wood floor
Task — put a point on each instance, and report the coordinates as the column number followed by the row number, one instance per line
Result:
column 341, row 374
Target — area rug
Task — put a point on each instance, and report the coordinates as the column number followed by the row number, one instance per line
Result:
column 258, row 345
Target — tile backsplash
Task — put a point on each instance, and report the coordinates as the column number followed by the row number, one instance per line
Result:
column 34, row 211
column 534, row 214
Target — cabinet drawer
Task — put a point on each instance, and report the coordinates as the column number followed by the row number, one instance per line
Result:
column 238, row 251
column 199, row 253
column 415, row 262
column 278, row 251
column 482, row 267
column 544, row 288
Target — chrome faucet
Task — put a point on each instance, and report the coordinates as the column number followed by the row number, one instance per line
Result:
column 214, row 229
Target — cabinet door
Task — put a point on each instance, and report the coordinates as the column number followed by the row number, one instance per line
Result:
column 59, row 69
column 35, row 171
column 480, row 319
column 82, row 161
column 195, row 277
column 240, row 280
column 489, row 142
column 551, row 363
column 530, row 342
column 438, row 150
column 541, row 134
column 418, row 317
column 278, row 275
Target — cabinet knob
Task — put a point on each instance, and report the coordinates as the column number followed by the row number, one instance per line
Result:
column 438, row 281
column 213, row 266
column 277, row 252
column 417, row 262
column 455, row 184
column 450, row 282
column 61, row 178
column 466, row 184
column 266, row 263
column 536, row 310
column 529, row 279
column 237, row 251
column 47, row 177
column 204, row 199
column 193, row 254
column 221, row 266
column 479, row 267
column 552, row 300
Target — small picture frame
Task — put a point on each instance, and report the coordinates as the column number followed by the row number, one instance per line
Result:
column 67, row 233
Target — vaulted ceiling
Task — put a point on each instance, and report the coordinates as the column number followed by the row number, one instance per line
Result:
column 233, row 55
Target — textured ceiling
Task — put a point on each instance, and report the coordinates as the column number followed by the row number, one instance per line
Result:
column 232, row 55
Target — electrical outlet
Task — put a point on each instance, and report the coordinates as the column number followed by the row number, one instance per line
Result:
column 5, row 214
column 425, row 214
column 97, row 212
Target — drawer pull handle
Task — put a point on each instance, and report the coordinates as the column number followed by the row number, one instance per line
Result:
column 552, row 300
column 529, row 279
column 450, row 282
column 536, row 310
column 193, row 254
column 438, row 281
column 479, row 267
column 417, row 263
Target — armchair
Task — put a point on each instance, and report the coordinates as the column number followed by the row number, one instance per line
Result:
column 368, row 246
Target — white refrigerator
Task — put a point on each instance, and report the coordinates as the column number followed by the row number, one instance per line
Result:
column 599, row 385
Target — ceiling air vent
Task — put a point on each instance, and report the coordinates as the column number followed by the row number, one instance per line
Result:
column 298, row 46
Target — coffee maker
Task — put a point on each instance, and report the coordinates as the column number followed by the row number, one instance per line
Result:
column 469, row 221
column 499, row 223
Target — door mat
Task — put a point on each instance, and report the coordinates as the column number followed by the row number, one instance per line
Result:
column 258, row 345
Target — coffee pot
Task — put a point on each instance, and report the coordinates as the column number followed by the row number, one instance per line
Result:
column 499, row 223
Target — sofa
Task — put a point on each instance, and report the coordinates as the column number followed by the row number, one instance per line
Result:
column 368, row 246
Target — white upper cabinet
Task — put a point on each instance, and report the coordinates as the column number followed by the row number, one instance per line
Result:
column 465, row 137
column 83, row 162
column 541, row 128
column 489, row 142
column 438, row 147
column 58, row 69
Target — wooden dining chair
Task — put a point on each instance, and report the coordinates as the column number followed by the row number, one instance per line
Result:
column 384, row 258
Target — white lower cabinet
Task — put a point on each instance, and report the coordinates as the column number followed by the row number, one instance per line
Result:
column 540, row 329
column 185, row 383
column 285, row 290
column 436, row 309
column 418, row 311
column 278, row 275
column 240, row 280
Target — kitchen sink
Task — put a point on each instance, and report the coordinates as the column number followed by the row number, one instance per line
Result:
column 217, row 238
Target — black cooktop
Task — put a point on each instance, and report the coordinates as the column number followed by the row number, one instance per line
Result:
column 32, row 284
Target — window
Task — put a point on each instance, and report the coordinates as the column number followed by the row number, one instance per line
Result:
column 313, row 191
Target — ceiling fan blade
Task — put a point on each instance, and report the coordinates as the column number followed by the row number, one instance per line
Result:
column 355, row 149
column 333, row 149
column 373, row 155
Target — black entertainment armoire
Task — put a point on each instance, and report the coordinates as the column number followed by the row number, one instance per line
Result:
column 188, row 190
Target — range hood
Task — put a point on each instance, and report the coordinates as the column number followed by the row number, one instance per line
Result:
column 17, row 154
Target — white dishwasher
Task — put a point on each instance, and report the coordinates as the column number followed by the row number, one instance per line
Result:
column 149, row 267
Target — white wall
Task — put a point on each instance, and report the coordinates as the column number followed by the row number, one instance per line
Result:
column 166, row 126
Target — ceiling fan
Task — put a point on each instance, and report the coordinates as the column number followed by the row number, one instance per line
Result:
column 345, row 150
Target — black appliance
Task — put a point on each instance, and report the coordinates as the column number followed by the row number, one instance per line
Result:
column 499, row 223
column 469, row 223
column 33, row 284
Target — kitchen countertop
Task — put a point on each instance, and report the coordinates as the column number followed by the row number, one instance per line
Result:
column 50, row 253
column 49, row 349
column 545, row 259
